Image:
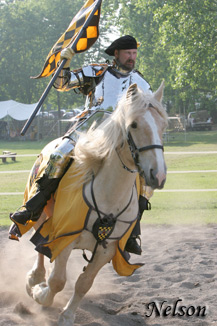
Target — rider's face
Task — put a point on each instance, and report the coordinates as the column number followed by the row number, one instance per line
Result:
column 127, row 58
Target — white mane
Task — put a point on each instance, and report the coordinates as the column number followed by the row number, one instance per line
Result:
column 97, row 144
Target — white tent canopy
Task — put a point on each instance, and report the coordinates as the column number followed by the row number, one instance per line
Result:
column 16, row 110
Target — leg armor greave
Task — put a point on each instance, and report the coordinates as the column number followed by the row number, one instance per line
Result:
column 60, row 159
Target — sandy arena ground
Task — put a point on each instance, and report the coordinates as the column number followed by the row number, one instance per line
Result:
column 176, row 286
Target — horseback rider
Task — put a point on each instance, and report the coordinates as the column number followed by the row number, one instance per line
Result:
column 103, row 85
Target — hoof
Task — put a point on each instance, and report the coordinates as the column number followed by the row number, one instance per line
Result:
column 66, row 318
column 33, row 278
column 42, row 294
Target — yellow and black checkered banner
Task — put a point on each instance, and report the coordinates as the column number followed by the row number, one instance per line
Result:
column 88, row 36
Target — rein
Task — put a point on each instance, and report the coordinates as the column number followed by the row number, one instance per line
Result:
column 134, row 150
column 124, row 166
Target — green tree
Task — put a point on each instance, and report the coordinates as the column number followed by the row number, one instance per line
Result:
column 189, row 32
column 178, row 44
column 28, row 30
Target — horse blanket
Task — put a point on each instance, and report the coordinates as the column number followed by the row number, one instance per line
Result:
column 68, row 219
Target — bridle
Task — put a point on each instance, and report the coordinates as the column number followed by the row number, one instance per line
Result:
column 134, row 150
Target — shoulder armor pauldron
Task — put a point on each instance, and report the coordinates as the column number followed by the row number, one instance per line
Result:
column 139, row 73
column 95, row 70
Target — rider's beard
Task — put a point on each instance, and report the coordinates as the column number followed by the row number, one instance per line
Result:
column 126, row 66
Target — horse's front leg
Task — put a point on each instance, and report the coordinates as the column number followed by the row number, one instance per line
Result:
column 44, row 293
column 36, row 275
column 85, row 281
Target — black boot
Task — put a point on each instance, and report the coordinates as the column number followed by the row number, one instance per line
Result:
column 132, row 245
column 29, row 211
column 34, row 206
column 144, row 204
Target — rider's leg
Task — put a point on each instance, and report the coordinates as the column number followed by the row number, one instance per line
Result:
column 132, row 245
column 58, row 163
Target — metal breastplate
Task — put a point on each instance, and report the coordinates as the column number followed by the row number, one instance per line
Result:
column 112, row 87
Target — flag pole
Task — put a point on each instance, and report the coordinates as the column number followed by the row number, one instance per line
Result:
column 57, row 72
column 42, row 98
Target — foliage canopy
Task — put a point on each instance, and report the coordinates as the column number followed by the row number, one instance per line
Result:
column 178, row 44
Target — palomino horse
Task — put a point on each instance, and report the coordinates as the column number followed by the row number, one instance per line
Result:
column 127, row 142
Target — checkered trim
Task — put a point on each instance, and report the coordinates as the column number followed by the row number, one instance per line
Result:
column 104, row 232
column 86, row 40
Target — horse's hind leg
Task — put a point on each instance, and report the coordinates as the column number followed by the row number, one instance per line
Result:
column 44, row 293
column 85, row 282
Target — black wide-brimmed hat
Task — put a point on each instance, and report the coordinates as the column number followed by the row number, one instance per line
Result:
column 123, row 43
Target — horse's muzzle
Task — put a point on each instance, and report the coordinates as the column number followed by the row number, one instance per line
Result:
column 156, row 179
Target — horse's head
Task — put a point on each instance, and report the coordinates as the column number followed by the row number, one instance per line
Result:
column 146, row 123
column 139, row 119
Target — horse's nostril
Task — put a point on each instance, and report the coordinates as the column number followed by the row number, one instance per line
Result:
column 151, row 174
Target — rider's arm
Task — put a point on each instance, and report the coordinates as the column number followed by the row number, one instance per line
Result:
column 71, row 80
column 75, row 79
column 83, row 79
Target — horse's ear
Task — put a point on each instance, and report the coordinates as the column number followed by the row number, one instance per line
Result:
column 158, row 95
column 132, row 90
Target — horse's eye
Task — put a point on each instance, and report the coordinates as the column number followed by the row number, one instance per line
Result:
column 134, row 125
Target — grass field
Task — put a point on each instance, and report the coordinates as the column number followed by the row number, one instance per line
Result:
column 167, row 207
